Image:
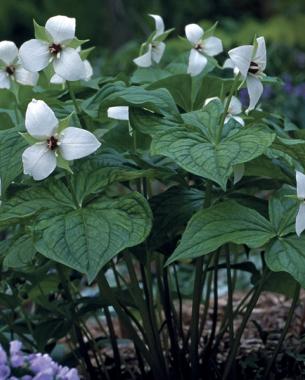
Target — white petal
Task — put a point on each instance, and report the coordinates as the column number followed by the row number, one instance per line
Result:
column 4, row 80
column 61, row 28
column 212, row 46
column 208, row 100
column 300, row 220
column 235, row 107
column 26, row 77
column 241, row 58
column 34, row 55
column 144, row 60
column 8, row 52
column 197, row 63
column 255, row 90
column 159, row 24
column 260, row 55
column 193, row 33
column 300, row 179
column 40, row 120
column 38, row 161
column 57, row 79
column 157, row 52
column 118, row 113
column 70, row 66
column 239, row 120
column 88, row 70
column 77, row 143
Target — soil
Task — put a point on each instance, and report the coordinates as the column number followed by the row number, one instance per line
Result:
column 257, row 344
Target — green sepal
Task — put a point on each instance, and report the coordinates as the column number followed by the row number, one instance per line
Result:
column 75, row 43
column 64, row 123
column 28, row 138
column 41, row 33
column 63, row 164
column 84, row 54
column 163, row 36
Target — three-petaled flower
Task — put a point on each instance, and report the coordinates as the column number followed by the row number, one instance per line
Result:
column 52, row 142
column 251, row 60
column 155, row 46
column 36, row 54
column 300, row 218
column 11, row 68
column 201, row 48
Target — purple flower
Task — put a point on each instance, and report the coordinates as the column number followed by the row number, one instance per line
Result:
column 4, row 372
column 17, row 360
column 41, row 362
column 15, row 347
column 67, row 374
column 3, row 356
column 27, row 377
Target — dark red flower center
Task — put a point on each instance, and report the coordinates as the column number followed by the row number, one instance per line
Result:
column 253, row 69
column 199, row 46
column 10, row 69
column 54, row 49
column 52, row 143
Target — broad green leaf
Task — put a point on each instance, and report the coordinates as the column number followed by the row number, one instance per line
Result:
column 291, row 150
column 280, row 282
column 288, row 255
column 264, row 167
column 20, row 253
column 92, row 178
column 283, row 210
column 27, row 203
column 11, row 148
column 195, row 148
column 180, row 87
column 148, row 75
column 171, row 210
column 226, row 222
column 159, row 101
column 87, row 238
column 210, row 87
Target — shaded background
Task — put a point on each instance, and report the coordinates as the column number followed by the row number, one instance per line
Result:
column 117, row 27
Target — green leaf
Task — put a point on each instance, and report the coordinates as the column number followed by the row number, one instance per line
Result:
column 195, row 148
column 180, row 87
column 288, row 255
column 172, row 209
column 75, row 43
column 283, row 210
column 27, row 203
column 291, row 150
column 20, row 253
column 87, row 238
column 226, row 222
column 159, row 101
column 11, row 148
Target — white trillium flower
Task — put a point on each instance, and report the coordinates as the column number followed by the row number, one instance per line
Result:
column 251, row 62
column 155, row 48
column 202, row 47
column 300, row 218
column 235, row 109
column 11, row 68
column 39, row 160
column 36, row 54
column 118, row 113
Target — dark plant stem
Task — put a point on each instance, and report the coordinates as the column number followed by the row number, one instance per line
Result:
column 76, row 106
column 294, row 303
column 114, row 343
column 230, row 296
column 198, row 287
column 77, row 329
column 250, row 307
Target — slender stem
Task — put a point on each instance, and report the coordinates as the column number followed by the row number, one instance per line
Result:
column 250, row 307
column 294, row 303
column 78, row 333
column 114, row 343
column 197, row 295
column 227, row 105
column 230, row 296
column 76, row 106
